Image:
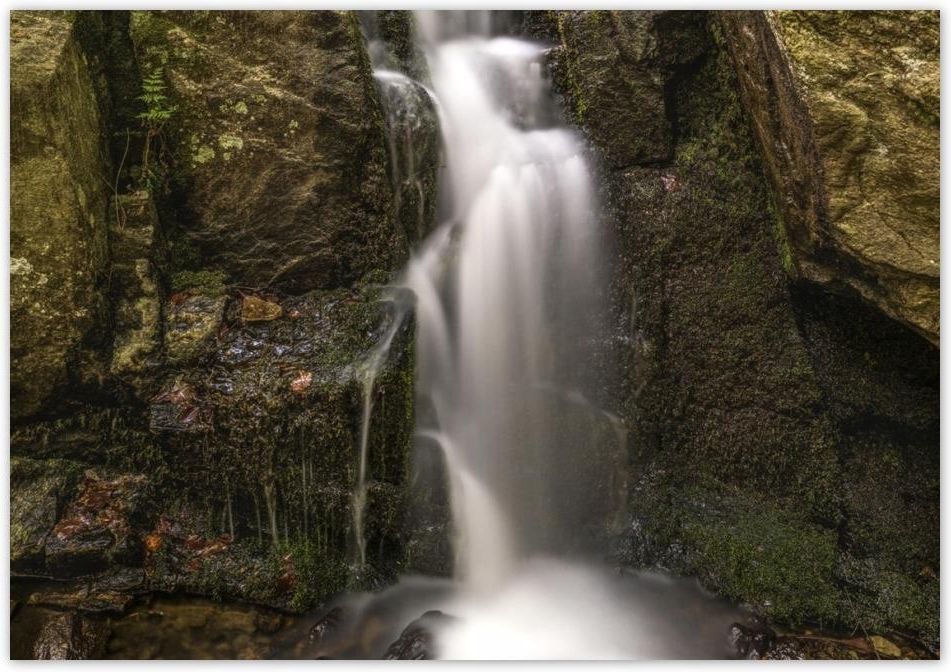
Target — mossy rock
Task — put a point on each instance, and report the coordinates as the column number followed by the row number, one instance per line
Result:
column 276, row 158
column 761, row 412
column 846, row 108
column 38, row 492
column 59, row 180
column 267, row 430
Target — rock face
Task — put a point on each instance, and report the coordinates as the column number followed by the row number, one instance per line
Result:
column 168, row 307
column 58, row 197
column 772, row 425
column 276, row 147
column 611, row 59
column 38, row 491
column 845, row 106
column 266, row 425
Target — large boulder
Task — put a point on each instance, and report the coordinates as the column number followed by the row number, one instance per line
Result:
column 59, row 190
column 276, row 147
column 845, row 106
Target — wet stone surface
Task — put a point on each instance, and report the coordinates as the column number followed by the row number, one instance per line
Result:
column 417, row 641
column 97, row 527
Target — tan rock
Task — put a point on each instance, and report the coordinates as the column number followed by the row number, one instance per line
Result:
column 845, row 105
column 254, row 309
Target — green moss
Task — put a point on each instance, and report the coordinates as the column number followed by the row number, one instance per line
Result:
column 318, row 575
column 880, row 599
column 756, row 553
column 208, row 282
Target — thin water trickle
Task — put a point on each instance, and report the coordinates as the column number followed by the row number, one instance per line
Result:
column 367, row 372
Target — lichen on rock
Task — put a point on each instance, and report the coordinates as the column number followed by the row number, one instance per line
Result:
column 277, row 152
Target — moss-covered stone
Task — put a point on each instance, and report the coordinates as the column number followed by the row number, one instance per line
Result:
column 58, row 198
column 266, row 432
column 610, row 60
column 845, row 106
column 778, row 441
column 275, row 151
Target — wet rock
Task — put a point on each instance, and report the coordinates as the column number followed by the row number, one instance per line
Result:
column 417, row 642
column 109, row 593
column 284, row 402
column 278, row 144
column 750, row 641
column 96, row 529
column 70, row 636
column 133, row 226
column 885, row 647
column 58, row 200
column 608, row 59
column 326, row 626
column 845, row 106
column 37, row 490
column 254, row 309
column 192, row 322
column 414, row 143
column 179, row 409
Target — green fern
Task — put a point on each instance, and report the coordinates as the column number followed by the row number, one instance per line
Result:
column 157, row 107
column 158, row 110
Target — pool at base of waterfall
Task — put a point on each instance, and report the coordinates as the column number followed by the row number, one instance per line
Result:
column 547, row 609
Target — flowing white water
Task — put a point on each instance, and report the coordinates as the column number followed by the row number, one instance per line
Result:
column 507, row 309
column 500, row 291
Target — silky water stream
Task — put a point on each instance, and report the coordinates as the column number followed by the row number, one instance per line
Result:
column 507, row 307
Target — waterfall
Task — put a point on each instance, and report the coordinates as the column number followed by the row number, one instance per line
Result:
column 506, row 294
column 507, row 299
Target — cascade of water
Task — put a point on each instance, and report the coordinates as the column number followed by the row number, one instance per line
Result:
column 507, row 311
column 501, row 290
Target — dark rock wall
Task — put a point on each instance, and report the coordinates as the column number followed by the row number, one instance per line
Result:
column 782, row 439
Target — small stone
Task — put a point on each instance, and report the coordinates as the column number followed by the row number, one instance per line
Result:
column 884, row 647
column 325, row 626
column 69, row 636
column 254, row 309
column 192, row 323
